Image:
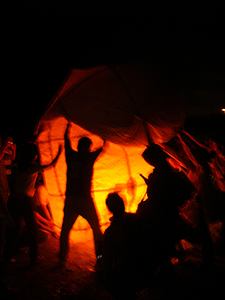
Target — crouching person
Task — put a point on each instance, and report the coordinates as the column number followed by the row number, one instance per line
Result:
column 127, row 254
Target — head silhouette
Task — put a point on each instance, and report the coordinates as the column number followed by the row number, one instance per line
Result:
column 115, row 204
column 28, row 155
column 155, row 156
column 84, row 144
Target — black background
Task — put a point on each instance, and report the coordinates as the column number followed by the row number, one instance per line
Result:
column 42, row 40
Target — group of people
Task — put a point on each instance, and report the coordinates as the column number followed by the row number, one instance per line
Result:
column 139, row 245
column 141, row 242
column 17, row 199
column 25, row 209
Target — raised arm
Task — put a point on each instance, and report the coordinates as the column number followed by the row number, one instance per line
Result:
column 54, row 160
column 68, row 149
column 98, row 151
column 66, row 134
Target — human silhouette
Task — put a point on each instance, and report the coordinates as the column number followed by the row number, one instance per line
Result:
column 42, row 213
column 166, row 191
column 5, row 217
column 21, row 202
column 7, row 155
column 122, row 229
column 210, row 195
column 128, row 254
column 78, row 193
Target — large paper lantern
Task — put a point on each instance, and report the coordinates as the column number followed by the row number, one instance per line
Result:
column 122, row 104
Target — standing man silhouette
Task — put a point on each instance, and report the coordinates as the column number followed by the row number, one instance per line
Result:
column 78, row 193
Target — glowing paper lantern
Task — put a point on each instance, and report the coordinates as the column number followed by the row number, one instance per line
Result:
column 110, row 103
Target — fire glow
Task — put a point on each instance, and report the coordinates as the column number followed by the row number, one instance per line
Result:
column 117, row 169
column 124, row 104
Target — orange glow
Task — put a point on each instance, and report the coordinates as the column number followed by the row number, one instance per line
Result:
column 117, row 169
column 112, row 102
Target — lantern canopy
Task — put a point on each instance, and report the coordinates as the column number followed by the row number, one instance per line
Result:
column 111, row 103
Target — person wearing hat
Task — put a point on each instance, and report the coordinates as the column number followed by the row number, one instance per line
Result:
column 166, row 191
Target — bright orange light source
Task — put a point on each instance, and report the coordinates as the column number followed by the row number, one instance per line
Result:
column 120, row 103
column 117, row 169
column 223, row 110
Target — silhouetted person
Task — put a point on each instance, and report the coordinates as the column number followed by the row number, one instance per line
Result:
column 128, row 256
column 7, row 155
column 209, row 197
column 121, row 229
column 5, row 217
column 78, row 193
column 166, row 191
column 21, row 202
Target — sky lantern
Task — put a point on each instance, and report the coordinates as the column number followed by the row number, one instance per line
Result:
column 123, row 104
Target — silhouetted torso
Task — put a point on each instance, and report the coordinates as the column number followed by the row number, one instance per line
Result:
column 79, row 171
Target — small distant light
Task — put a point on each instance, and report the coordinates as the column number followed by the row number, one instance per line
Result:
column 223, row 110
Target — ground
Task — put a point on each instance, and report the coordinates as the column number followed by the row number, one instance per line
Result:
column 78, row 279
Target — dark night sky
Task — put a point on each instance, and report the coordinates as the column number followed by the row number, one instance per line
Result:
column 42, row 40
